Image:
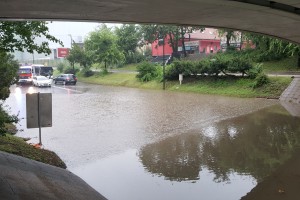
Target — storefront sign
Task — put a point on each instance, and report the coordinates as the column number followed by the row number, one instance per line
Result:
column 192, row 43
column 62, row 52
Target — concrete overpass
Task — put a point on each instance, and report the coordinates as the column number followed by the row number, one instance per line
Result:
column 279, row 18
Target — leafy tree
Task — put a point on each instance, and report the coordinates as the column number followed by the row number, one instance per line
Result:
column 102, row 46
column 172, row 33
column 229, row 34
column 21, row 35
column 79, row 55
column 8, row 73
column 128, row 38
column 273, row 48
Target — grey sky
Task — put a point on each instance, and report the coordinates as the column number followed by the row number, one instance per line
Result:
column 77, row 30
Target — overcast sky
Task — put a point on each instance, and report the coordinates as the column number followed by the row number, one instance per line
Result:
column 77, row 30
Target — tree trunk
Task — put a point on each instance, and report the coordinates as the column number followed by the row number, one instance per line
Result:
column 174, row 47
column 228, row 40
column 241, row 42
column 182, row 39
column 73, row 68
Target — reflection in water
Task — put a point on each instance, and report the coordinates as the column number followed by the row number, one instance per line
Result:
column 284, row 183
column 122, row 177
column 177, row 158
column 254, row 144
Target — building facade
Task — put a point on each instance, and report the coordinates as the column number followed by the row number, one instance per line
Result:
column 197, row 43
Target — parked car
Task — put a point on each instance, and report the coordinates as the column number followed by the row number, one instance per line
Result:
column 66, row 79
column 41, row 81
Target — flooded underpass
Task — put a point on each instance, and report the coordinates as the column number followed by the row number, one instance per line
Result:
column 140, row 144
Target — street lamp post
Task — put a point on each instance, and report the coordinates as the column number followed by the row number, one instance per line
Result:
column 162, row 41
column 71, row 40
column 164, row 67
column 71, row 48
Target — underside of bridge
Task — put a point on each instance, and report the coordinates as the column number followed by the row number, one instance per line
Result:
column 279, row 18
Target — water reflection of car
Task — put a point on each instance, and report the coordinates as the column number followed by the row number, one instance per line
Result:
column 66, row 79
column 41, row 81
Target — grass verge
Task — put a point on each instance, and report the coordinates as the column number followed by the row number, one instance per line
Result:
column 15, row 145
column 236, row 87
column 130, row 67
column 285, row 65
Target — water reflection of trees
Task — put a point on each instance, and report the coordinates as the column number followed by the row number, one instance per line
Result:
column 254, row 144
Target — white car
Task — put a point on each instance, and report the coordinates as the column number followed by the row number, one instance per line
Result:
column 42, row 81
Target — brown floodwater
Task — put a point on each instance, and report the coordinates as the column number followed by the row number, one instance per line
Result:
column 140, row 144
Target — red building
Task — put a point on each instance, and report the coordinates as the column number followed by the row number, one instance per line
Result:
column 200, row 42
column 157, row 49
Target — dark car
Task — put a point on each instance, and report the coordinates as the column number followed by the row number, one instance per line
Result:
column 66, row 79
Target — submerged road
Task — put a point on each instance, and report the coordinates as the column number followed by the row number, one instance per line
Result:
column 149, row 144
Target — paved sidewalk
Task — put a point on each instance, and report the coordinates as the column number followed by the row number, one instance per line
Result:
column 290, row 98
column 25, row 179
column 292, row 92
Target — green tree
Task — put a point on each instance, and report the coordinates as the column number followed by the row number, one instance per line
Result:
column 128, row 38
column 80, row 56
column 21, row 36
column 229, row 34
column 8, row 73
column 273, row 48
column 102, row 46
column 173, row 34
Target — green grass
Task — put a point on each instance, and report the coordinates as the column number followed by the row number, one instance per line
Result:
column 285, row 65
column 18, row 146
column 236, row 87
column 131, row 67
column 120, row 79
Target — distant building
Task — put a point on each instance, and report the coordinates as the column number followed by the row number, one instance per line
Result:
column 57, row 51
column 199, row 42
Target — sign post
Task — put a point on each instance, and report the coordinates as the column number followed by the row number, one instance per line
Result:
column 180, row 78
column 39, row 111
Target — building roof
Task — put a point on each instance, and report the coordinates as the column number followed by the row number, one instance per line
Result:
column 207, row 34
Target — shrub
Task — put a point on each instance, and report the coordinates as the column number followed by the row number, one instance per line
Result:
column 70, row 70
column 6, row 119
column 261, row 80
column 217, row 64
column 147, row 71
column 187, row 68
column 255, row 71
column 60, row 67
column 87, row 72
column 239, row 65
column 134, row 57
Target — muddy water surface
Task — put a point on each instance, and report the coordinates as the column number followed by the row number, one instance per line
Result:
column 139, row 144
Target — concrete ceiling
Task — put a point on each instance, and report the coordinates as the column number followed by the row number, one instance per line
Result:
column 279, row 18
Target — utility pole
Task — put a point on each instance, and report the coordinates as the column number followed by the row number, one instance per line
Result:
column 71, row 44
column 164, row 65
column 161, row 41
